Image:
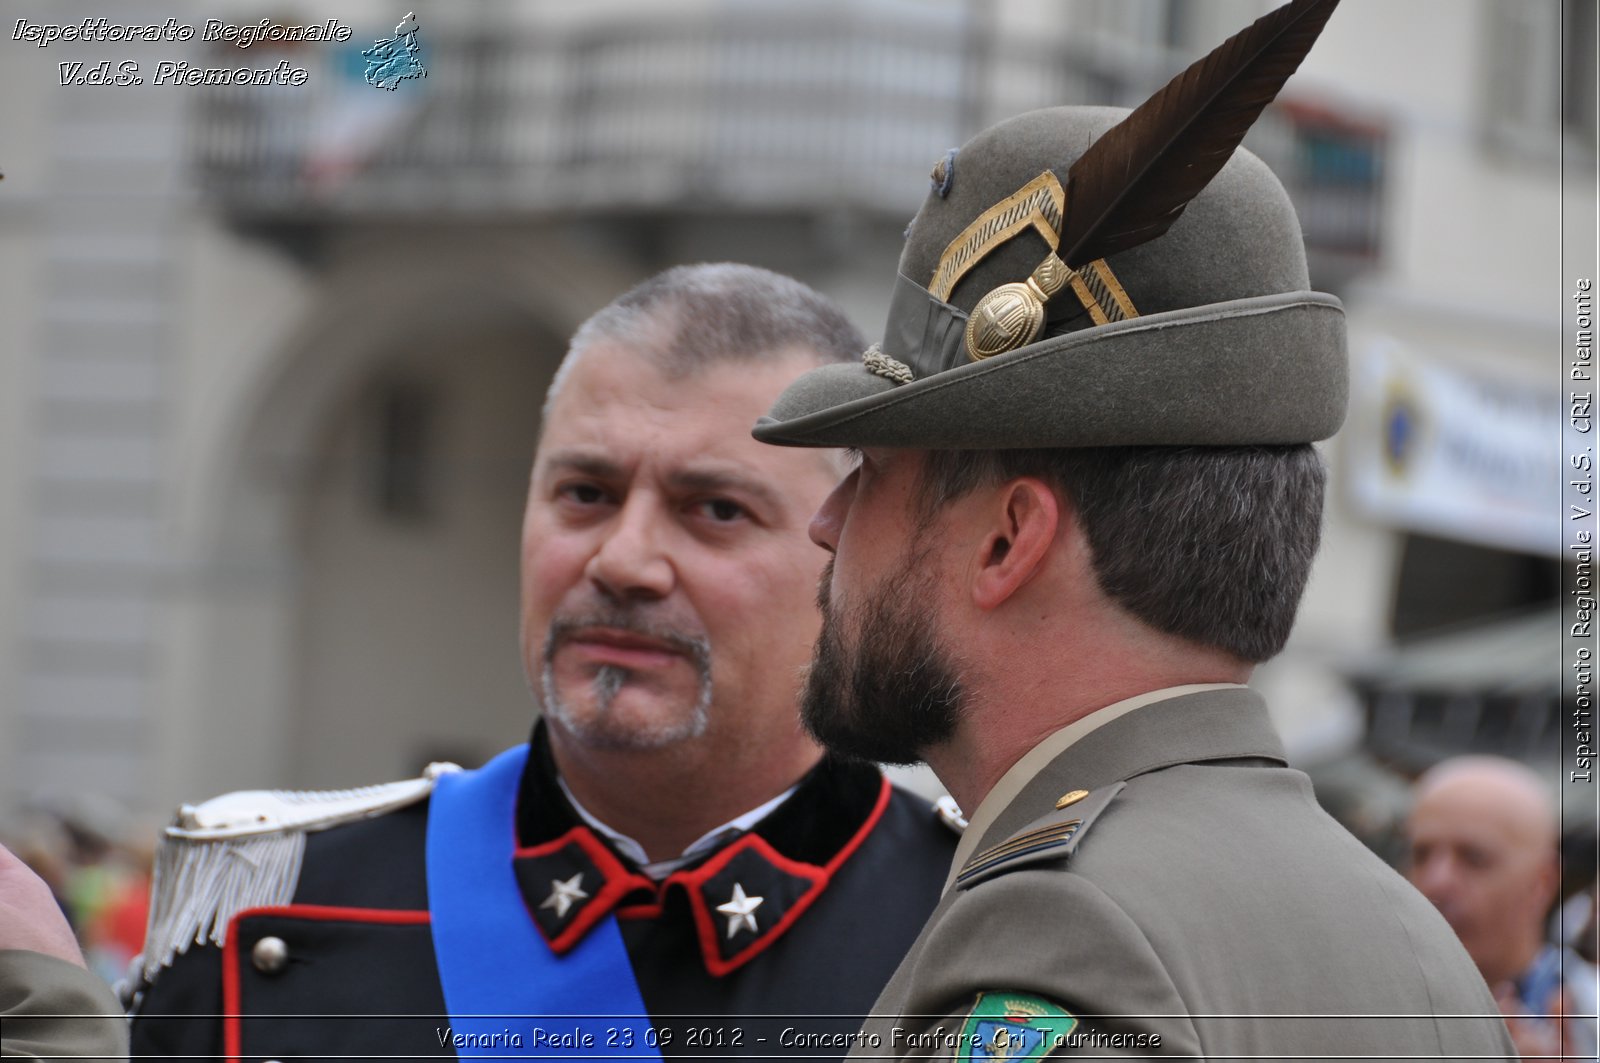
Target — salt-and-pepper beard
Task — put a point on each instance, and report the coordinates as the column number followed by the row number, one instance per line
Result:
column 895, row 693
column 600, row 728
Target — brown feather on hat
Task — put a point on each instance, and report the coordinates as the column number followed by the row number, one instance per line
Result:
column 1164, row 268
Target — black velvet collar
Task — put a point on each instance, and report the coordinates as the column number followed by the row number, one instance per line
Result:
column 740, row 897
column 831, row 804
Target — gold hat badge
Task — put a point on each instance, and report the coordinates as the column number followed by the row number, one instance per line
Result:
column 1130, row 185
column 1012, row 315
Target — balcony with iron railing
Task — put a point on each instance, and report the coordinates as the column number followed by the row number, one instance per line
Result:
column 781, row 113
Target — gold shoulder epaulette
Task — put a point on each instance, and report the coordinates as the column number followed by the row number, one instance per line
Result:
column 1053, row 836
column 243, row 850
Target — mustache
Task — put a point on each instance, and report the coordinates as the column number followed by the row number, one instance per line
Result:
column 694, row 646
column 824, row 585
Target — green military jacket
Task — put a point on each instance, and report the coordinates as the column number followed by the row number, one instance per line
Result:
column 1196, row 901
column 50, row 1009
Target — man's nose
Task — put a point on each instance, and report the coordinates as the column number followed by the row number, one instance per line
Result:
column 1434, row 876
column 633, row 561
column 829, row 518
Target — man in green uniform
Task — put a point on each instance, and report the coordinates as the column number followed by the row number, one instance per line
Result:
column 1085, row 509
column 51, row 1005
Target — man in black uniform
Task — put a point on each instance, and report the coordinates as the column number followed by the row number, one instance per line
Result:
column 670, row 866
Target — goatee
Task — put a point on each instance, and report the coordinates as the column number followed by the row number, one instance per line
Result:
column 596, row 724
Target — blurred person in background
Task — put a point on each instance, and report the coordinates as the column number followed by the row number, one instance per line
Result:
column 670, row 842
column 113, row 933
column 1483, row 847
column 1588, row 937
column 105, row 881
column 97, row 865
column 41, row 841
column 51, row 1005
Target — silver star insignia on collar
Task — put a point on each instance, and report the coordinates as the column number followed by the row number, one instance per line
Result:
column 741, row 910
column 564, row 894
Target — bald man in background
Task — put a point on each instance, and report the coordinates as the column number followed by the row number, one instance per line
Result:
column 1483, row 838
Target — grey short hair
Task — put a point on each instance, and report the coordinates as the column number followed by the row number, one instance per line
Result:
column 717, row 312
column 1211, row 544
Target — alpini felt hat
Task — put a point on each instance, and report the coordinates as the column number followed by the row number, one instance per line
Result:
column 1083, row 276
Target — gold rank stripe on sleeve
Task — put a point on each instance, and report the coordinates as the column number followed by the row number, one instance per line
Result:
column 1022, row 841
column 1056, row 834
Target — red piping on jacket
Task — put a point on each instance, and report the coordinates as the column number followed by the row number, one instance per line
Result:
column 618, row 884
column 820, row 878
column 231, row 1034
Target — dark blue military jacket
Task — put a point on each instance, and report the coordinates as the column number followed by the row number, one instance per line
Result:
column 847, row 869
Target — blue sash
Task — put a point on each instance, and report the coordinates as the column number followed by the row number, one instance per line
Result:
column 502, row 983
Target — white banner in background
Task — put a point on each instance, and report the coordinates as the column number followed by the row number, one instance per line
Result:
column 1452, row 451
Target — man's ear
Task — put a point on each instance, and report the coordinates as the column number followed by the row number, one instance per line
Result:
column 1549, row 880
column 1020, row 530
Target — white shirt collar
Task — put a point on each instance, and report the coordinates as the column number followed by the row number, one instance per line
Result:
column 705, row 843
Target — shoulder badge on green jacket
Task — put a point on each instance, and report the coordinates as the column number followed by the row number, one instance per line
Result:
column 1013, row 1028
column 243, row 850
column 1053, row 836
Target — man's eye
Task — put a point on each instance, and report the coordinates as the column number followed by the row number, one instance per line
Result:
column 583, row 494
column 722, row 510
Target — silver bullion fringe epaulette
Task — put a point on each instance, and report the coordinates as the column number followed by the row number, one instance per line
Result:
column 950, row 814
column 243, row 850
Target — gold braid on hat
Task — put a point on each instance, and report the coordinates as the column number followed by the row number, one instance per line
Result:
column 1130, row 185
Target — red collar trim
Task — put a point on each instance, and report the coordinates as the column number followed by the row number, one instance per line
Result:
column 618, row 882
column 694, row 882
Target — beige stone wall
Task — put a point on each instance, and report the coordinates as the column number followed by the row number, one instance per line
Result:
column 406, row 646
